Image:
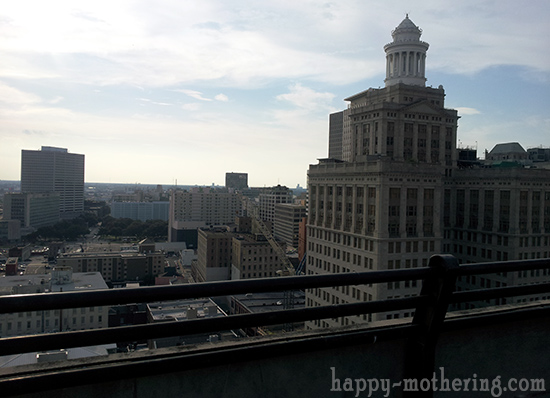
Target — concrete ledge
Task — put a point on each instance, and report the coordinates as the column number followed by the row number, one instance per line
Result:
column 488, row 342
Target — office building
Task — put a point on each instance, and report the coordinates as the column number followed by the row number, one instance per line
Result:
column 270, row 197
column 32, row 210
column 142, row 211
column 335, row 136
column 237, row 181
column 118, row 267
column 55, row 170
column 253, row 257
column 397, row 196
column 498, row 214
column 213, row 255
column 199, row 207
column 286, row 223
column 10, row 230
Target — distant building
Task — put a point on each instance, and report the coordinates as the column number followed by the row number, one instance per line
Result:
column 35, row 322
column 118, row 267
column 33, row 210
column 253, row 257
column 286, row 224
column 539, row 154
column 10, row 230
column 199, row 207
column 507, row 151
column 55, row 170
column 237, row 181
column 336, row 133
column 23, row 253
column 271, row 197
column 213, row 255
column 142, row 211
column 224, row 253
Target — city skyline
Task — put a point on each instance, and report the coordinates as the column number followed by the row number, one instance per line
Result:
column 148, row 94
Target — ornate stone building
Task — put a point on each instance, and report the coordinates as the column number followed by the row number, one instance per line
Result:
column 396, row 196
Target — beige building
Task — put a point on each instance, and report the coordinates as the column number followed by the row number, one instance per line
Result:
column 253, row 257
column 144, row 265
column 396, row 196
column 498, row 214
column 243, row 253
column 213, row 255
column 381, row 208
column 201, row 207
column 35, row 322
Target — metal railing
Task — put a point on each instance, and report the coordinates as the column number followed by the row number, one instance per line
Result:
column 430, row 306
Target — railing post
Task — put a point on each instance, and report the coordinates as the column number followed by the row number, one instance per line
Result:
column 420, row 350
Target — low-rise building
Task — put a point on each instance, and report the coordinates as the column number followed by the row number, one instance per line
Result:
column 122, row 266
column 61, row 279
column 184, row 310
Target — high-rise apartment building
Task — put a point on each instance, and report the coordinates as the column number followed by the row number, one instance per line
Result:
column 200, row 207
column 396, row 196
column 55, row 170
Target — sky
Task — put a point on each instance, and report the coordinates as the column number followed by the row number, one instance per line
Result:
column 187, row 91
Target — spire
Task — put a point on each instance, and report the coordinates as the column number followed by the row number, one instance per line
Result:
column 406, row 55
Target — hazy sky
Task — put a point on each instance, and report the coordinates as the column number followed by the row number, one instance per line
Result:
column 157, row 91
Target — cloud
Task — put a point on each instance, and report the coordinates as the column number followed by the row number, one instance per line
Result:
column 467, row 111
column 306, row 98
column 56, row 100
column 194, row 94
column 192, row 106
column 242, row 46
column 154, row 102
column 221, row 97
column 14, row 97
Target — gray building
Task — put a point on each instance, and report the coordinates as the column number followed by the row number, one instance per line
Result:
column 238, row 181
column 33, row 210
column 10, row 230
column 286, row 225
column 335, row 135
column 142, row 211
column 55, row 170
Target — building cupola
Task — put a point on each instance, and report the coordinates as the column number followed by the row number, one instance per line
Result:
column 406, row 55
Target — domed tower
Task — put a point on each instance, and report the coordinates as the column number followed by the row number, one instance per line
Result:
column 406, row 55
